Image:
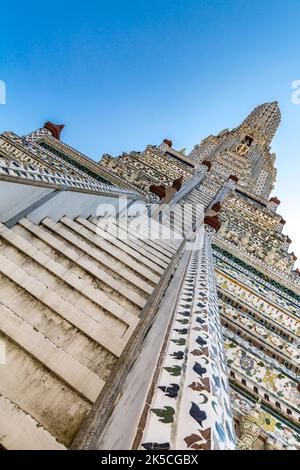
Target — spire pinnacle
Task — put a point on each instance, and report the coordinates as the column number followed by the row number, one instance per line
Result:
column 266, row 118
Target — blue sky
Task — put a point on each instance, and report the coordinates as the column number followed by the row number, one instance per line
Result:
column 121, row 74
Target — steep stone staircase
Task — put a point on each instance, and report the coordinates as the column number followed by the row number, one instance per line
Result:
column 73, row 291
column 191, row 208
column 71, row 295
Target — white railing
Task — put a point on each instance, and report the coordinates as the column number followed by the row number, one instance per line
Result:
column 29, row 172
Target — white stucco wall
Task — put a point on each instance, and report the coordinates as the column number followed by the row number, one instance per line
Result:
column 15, row 197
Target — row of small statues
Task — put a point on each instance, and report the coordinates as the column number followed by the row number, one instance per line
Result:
column 131, row 177
column 271, row 258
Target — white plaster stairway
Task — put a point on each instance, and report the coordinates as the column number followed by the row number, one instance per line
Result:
column 72, row 292
column 70, row 298
column 191, row 207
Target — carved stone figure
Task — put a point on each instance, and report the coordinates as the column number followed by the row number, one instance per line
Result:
column 272, row 444
column 281, row 264
column 132, row 177
column 224, row 228
column 232, row 237
column 270, row 257
column 250, row 428
column 245, row 240
column 259, row 252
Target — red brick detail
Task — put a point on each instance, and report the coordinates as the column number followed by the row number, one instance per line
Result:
column 168, row 142
column 55, row 129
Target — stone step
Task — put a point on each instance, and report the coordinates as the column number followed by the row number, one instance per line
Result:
column 119, row 245
column 107, row 263
column 184, row 218
column 177, row 226
column 166, row 246
column 198, row 198
column 122, row 238
column 162, row 247
column 63, row 365
column 112, row 287
column 197, row 211
column 134, row 241
column 113, row 252
column 69, row 330
column 19, row 431
column 158, row 244
column 188, row 211
column 39, row 393
column 111, row 311
column 87, row 323
column 179, row 222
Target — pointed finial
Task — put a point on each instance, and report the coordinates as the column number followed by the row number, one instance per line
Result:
column 55, row 129
column 265, row 117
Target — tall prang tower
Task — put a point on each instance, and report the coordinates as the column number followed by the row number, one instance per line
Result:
column 246, row 150
column 147, row 301
column 258, row 287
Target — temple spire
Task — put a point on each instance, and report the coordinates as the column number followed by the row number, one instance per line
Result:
column 266, row 118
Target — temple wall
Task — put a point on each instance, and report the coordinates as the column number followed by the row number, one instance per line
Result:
column 124, row 423
column 14, row 198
